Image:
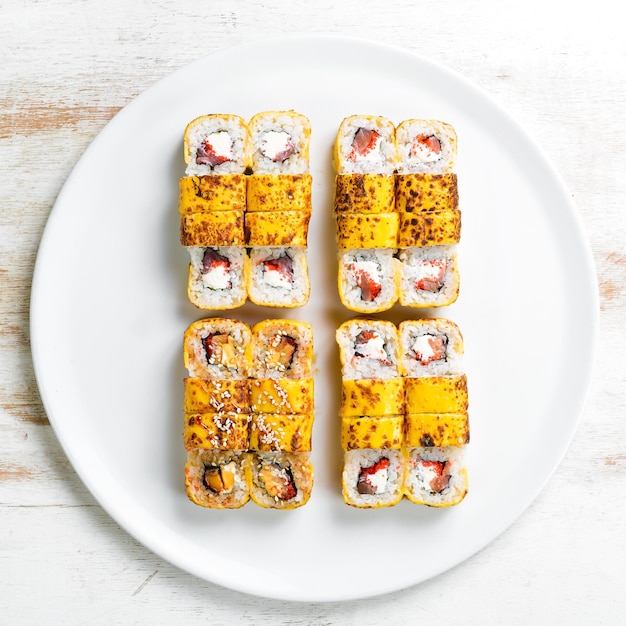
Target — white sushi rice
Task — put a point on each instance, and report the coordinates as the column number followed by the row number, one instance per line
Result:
column 380, row 265
column 196, row 357
column 269, row 288
column 385, row 346
column 209, row 291
column 389, row 489
column 412, row 334
column 381, row 160
column 230, row 135
column 417, row 478
column 422, row 161
column 270, row 132
column 414, row 266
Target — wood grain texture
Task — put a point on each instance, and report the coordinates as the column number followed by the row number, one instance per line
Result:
column 69, row 66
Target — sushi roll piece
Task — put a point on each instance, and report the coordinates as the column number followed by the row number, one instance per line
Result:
column 378, row 432
column 428, row 276
column 216, row 144
column 272, row 395
column 277, row 228
column 365, row 144
column 372, row 397
column 368, row 349
column 367, row 230
column 372, row 478
column 280, row 142
column 281, row 480
column 279, row 192
column 213, row 229
column 217, row 277
column 216, row 348
column 430, row 347
column 218, row 480
column 436, row 394
column 427, row 146
column 278, row 277
column 436, row 476
column 416, row 193
column 203, row 396
column 427, row 430
column 368, row 280
column 281, row 432
column 282, row 349
column 217, row 431
column 202, row 194
column 364, row 193
column 433, row 228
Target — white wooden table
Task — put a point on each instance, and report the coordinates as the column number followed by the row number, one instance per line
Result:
column 67, row 67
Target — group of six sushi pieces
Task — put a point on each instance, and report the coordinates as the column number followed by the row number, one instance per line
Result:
column 245, row 206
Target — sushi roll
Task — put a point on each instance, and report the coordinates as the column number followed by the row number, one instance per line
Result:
column 278, row 277
column 367, row 230
column 281, row 432
column 217, row 479
column 283, row 395
column 282, row 349
column 216, row 144
column 279, row 192
column 436, row 476
column 436, row 429
column 281, row 480
column 415, row 193
column 217, row 277
column 221, row 430
column 430, row 347
column 368, row 349
column 372, row 397
column 364, row 193
column 434, row 228
column 365, row 144
column 436, row 394
column 368, row 280
column 203, row 396
column 428, row 276
column 217, row 349
column 427, row 146
column 202, row 194
column 378, row 432
column 214, row 229
column 277, row 228
column 372, row 478
column 280, row 142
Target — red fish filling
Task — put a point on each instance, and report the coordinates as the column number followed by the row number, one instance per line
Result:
column 373, row 479
column 212, row 260
column 206, row 155
column 428, row 348
column 426, row 143
column 277, row 146
column 441, row 471
column 432, row 275
column 369, row 287
column 283, row 266
column 368, row 344
column 364, row 142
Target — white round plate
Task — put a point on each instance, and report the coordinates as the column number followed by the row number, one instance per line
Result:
column 109, row 309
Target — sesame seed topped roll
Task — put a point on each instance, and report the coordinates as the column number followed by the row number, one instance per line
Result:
column 365, row 144
column 272, row 395
column 280, row 142
column 216, row 144
column 426, row 146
